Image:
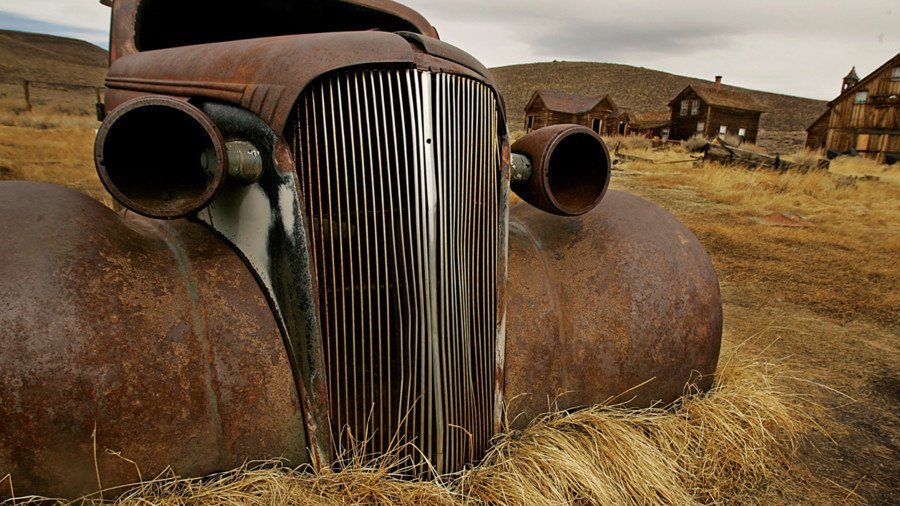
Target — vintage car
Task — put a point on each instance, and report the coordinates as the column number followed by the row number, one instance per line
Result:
column 314, row 250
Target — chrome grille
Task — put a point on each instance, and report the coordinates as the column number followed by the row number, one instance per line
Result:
column 401, row 177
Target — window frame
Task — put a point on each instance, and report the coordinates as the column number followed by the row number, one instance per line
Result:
column 701, row 126
column 684, row 107
column 695, row 107
column 861, row 97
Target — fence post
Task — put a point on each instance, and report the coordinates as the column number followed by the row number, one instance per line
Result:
column 27, row 87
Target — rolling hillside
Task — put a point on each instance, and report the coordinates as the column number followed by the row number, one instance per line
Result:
column 637, row 88
column 40, row 57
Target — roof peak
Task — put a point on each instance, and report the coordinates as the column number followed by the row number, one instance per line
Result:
column 852, row 74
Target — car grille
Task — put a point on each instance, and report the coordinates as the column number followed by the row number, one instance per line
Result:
column 400, row 172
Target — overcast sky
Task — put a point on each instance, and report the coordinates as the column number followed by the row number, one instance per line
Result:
column 798, row 47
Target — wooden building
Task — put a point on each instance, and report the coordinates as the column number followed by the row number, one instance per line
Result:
column 654, row 124
column 817, row 133
column 619, row 122
column 866, row 115
column 550, row 107
column 713, row 110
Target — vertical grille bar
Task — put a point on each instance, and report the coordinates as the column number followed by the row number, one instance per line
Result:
column 400, row 170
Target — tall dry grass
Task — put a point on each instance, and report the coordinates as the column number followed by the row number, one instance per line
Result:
column 842, row 264
column 61, row 153
column 732, row 445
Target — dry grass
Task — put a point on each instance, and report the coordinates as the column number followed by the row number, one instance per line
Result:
column 723, row 447
column 55, row 155
column 834, row 266
column 735, row 444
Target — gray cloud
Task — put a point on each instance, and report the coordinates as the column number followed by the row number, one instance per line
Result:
column 799, row 46
column 585, row 39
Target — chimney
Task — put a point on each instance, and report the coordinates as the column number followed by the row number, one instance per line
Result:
column 718, row 83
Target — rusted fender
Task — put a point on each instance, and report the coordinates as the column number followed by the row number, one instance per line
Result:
column 153, row 334
column 602, row 303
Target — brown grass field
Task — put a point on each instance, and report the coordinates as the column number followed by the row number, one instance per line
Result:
column 819, row 301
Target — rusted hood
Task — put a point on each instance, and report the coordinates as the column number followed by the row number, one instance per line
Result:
column 263, row 75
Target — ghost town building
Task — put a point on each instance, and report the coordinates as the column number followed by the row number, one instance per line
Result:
column 864, row 118
column 714, row 110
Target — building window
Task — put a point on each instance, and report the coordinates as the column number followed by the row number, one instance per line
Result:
column 595, row 126
column 742, row 132
column 684, row 107
column 723, row 130
column 695, row 107
column 861, row 97
column 529, row 123
column 895, row 74
column 701, row 126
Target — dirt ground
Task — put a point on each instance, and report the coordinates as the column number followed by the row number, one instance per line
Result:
column 821, row 297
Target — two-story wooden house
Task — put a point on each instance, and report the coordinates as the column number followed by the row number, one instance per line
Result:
column 866, row 115
column 713, row 110
column 550, row 107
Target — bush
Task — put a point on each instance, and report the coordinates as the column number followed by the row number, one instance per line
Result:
column 695, row 143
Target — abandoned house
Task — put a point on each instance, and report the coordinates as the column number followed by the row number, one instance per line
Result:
column 550, row 107
column 713, row 110
column 653, row 124
column 865, row 117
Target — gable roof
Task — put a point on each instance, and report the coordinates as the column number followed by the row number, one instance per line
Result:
column 893, row 62
column 621, row 114
column 723, row 97
column 566, row 102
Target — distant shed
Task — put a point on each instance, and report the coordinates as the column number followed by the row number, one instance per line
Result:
column 713, row 110
column 551, row 107
column 619, row 122
column 653, row 124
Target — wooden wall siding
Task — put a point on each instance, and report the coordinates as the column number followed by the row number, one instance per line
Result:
column 544, row 117
column 685, row 127
column 872, row 128
column 733, row 120
column 713, row 115
column 817, row 133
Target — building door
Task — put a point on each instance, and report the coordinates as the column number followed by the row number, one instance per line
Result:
column 596, row 125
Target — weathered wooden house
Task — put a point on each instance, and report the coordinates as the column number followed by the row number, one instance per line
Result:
column 713, row 110
column 653, row 124
column 619, row 122
column 866, row 115
column 550, row 107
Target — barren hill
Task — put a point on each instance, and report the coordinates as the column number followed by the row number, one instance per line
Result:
column 637, row 88
column 38, row 57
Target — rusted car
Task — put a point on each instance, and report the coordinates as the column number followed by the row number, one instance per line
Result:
column 314, row 249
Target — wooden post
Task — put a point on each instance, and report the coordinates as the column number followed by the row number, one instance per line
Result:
column 27, row 87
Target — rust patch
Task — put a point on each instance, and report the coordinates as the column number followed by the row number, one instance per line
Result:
column 786, row 219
